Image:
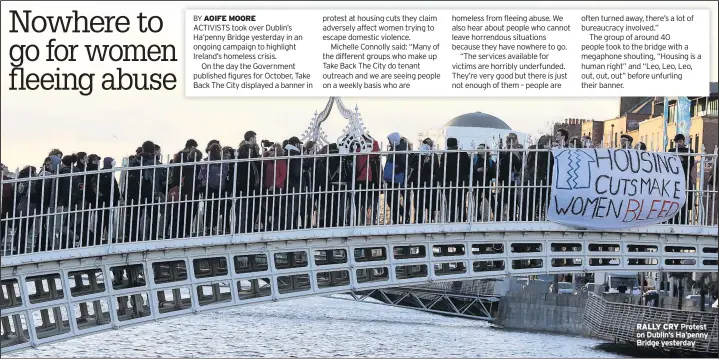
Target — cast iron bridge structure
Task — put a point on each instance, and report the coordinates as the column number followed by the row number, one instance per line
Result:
column 68, row 272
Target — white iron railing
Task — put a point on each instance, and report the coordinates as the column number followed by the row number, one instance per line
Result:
column 67, row 209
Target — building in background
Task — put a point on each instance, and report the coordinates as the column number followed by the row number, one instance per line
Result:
column 642, row 118
column 704, row 114
column 594, row 130
column 626, row 123
column 473, row 129
column 572, row 125
column 627, row 104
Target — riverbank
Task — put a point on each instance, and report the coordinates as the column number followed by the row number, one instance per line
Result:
column 545, row 312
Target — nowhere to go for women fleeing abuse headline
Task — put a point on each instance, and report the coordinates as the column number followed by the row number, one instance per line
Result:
column 24, row 55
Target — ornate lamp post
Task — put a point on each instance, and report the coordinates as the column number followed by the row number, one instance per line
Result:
column 354, row 134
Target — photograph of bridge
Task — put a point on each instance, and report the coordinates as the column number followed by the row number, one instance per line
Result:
column 456, row 228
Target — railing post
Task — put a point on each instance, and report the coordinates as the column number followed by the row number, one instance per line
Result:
column 353, row 210
column 470, row 193
column 111, row 220
column 701, row 192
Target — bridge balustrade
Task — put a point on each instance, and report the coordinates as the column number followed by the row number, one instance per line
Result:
column 294, row 194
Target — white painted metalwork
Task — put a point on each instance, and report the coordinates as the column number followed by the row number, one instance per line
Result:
column 355, row 137
column 91, row 293
column 314, row 132
column 618, row 322
column 315, row 195
column 81, row 254
column 432, row 301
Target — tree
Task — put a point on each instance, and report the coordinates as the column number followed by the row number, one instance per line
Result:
column 706, row 283
column 681, row 277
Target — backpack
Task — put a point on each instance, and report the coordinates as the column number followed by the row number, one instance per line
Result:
column 390, row 175
column 213, row 175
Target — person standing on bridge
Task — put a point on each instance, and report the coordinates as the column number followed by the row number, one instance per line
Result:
column 7, row 205
column 309, row 197
column 425, row 170
column 456, row 177
column 70, row 195
column 626, row 142
column 228, row 154
column 27, row 197
column 561, row 138
column 209, row 147
column 181, row 188
column 394, row 175
column 91, row 199
column 109, row 196
column 484, row 173
column 214, row 184
column 86, row 193
column 509, row 165
column 275, row 175
column 55, row 152
column 293, row 185
column 49, row 203
column 544, row 173
column 575, row 142
column 338, row 175
column 247, row 187
column 146, row 182
column 686, row 155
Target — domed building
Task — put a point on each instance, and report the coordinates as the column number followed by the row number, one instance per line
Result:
column 473, row 129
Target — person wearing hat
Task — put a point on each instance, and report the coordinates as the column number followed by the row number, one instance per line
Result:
column 626, row 141
column 680, row 148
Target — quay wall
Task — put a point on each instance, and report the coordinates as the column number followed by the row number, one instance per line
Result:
column 548, row 312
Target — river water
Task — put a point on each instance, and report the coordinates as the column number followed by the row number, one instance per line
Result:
column 317, row 327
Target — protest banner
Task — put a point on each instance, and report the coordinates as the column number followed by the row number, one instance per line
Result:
column 615, row 188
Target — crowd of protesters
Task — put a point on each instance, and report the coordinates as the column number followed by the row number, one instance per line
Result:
column 268, row 186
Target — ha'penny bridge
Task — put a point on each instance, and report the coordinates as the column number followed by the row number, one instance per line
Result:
column 68, row 272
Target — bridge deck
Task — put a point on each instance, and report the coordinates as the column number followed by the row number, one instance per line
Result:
column 73, row 271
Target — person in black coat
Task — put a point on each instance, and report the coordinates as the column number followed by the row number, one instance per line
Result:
column 293, row 184
column 395, row 175
column 423, row 180
column 108, row 196
column 484, row 173
column 247, row 187
column 27, row 200
column 509, row 166
column 143, row 186
column 687, row 158
column 455, row 180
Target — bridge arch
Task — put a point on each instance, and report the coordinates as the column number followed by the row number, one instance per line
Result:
column 65, row 297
